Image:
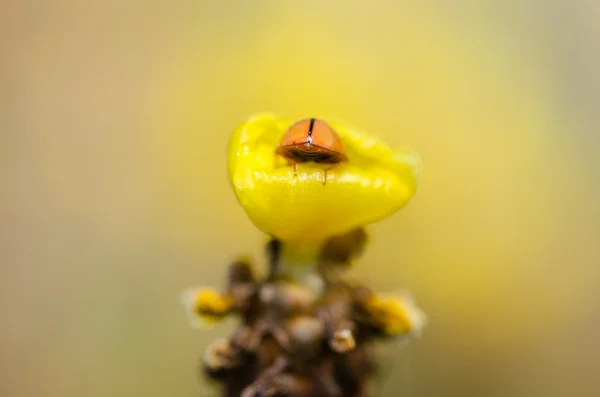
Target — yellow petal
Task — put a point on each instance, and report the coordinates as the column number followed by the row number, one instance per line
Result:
column 374, row 183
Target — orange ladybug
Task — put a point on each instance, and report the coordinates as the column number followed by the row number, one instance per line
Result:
column 312, row 140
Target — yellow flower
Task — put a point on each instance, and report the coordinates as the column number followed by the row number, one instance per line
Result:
column 374, row 183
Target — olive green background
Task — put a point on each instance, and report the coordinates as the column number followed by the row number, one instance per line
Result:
column 114, row 120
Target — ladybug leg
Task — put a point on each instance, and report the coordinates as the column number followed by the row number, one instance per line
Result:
column 295, row 166
column 328, row 169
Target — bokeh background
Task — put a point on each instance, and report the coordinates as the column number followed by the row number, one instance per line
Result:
column 114, row 121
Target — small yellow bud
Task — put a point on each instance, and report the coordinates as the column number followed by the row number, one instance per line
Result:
column 205, row 305
column 395, row 314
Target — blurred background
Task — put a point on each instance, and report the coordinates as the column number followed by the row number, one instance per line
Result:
column 114, row 121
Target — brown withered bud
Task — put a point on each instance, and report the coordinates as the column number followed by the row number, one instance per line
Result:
column 336, row 312
column 306, row 335
column 247, row 338
column 287, row 297
column 240, row 272
column 339, row 328
column 220, row 358
column 340, row 250
column 342, row 340
column 242, row 285
column 250, row 337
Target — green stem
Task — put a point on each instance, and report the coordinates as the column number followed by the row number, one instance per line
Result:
column 299, row 263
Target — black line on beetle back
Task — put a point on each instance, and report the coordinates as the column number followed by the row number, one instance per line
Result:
column 310, row 127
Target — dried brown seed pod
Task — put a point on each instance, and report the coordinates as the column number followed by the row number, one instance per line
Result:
column 342, row 341
column 306, row 335
column 340, row 250
column 220, row 358
column 287, row 297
